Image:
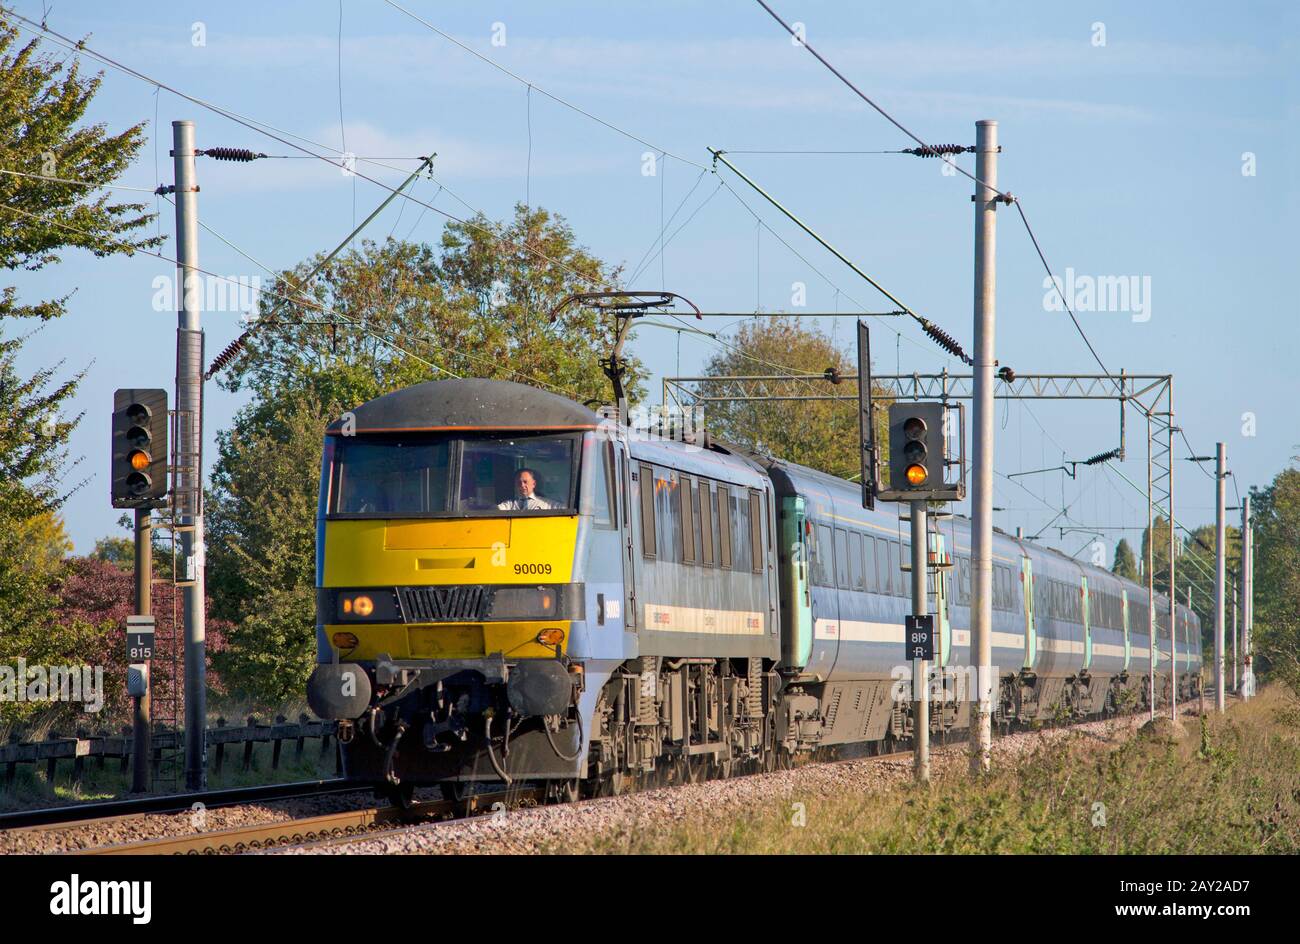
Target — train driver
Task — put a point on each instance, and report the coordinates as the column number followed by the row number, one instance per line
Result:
column 526, row 497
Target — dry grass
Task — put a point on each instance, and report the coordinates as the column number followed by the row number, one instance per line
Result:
column 1232, row 786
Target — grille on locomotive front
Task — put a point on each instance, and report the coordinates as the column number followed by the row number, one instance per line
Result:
column 435, row 604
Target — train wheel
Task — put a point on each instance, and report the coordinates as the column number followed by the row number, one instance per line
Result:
column 457, row 791
column 401, row 795
column 563, row 791
column 615, row 783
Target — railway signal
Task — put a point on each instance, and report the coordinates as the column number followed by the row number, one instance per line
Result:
column 918, row 455
column 139, row 460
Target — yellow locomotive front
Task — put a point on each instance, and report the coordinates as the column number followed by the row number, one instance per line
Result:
column 447, row 591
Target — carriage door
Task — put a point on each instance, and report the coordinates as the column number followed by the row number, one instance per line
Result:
column 796, row 589
column 1123, row 604
column 1087, row 624
column 1027, row 590
column 627, row 524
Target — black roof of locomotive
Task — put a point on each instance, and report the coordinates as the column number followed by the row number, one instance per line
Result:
column 470, row 403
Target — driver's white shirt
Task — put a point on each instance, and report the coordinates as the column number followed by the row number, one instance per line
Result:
column 535, row 503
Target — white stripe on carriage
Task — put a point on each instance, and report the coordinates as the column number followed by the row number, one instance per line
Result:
column 691, row 619
column 1107, row 649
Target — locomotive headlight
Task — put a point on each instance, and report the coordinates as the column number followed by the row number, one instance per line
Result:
column 525, row 603
column 551, row 637
column 345, row 641
column 367, row 604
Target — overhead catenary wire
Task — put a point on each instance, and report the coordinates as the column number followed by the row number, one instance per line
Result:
column 282, row 137
column 131, row 249
column 541, row 91
column 936, row 333
column 77, row 183
column 1003, row 196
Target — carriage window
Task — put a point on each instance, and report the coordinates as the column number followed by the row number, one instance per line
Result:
column 823, row 557
column 704, row 501
column 841, row 559
column 855, row 560
column 598, row 499
column 895, row 575
column 524, row 474
column 756, row 518
column 391, row 475
column 742, row 550
column 646, row 483
column 688, row 520
column 724, row 526
column 872, row 581
column 668, row 515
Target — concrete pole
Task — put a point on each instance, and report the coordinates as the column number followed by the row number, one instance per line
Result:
column 986, row 169
column 1153, row 649
column 1220, row 550
column 920, row 667
column 1173, row 597
column 1247, row 604
column 142, row 735
column 1236, row 678
column 189, row 407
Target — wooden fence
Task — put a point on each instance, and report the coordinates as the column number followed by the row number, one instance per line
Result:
column 99, row 748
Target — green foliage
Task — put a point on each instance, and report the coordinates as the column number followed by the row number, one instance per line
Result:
column 1125, row 564
column 1276, row 512
column 821, row 434
column 478, row 305
column 43, row 100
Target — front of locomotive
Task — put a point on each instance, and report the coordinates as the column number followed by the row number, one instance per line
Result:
column 449, row 584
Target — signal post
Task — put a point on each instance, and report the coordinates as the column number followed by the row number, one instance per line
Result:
column 138, row 476
column 918, row 464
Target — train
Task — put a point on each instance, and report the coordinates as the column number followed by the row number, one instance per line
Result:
column 513, row 587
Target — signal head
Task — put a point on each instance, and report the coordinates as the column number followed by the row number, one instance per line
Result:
column 916, row 474
column 914, row 428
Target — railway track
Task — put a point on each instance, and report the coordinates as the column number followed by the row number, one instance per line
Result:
column 56, row 817
column 349, row 823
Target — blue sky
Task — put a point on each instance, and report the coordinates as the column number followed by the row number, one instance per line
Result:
column 1128, row 158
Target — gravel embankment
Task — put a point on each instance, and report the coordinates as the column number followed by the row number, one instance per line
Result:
column 547, row 827
column 154, row 825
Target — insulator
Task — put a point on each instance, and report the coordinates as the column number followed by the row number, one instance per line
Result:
column 937, row 150
column 1102, row 457
column 226, row 356
column 946, row 341
column 241, row 155
column 832, row 374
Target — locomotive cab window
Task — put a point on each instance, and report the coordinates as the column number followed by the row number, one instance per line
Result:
column 431, row 475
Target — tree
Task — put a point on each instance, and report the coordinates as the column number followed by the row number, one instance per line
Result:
column 379, row 318
column 821, row 434
column 1276, row 513
column 42, row 104
column 1125, row 565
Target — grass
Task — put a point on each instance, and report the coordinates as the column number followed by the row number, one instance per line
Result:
column 1232, row 786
